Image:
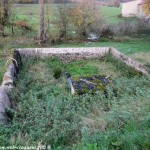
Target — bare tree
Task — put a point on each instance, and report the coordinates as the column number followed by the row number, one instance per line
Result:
column 63, row 20
column 41, row 34
column 116, row 3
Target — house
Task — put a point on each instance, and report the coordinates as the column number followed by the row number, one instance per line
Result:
column 132, row 8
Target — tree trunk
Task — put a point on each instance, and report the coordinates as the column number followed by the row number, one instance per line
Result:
column 41, row 35
column 1, row 31
column 4, row 15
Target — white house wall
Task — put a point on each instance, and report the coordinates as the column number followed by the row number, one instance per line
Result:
column 130, row 9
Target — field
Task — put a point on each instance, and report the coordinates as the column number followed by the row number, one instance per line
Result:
column 45, row 113
column 112, row 15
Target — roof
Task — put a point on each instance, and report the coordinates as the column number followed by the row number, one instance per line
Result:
column 126, row 1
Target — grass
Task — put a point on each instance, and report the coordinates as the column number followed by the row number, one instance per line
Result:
column 111, row 15
column 127, row 47
column 91, row 67
column 132, row 47
column 10, row 42
column 142, row 57
column 2, row 68
column 47, row 112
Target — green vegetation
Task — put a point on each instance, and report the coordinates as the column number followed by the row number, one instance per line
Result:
column 104, row 66
column 46, row 113
column 137, row 48
column 2, row 68
column 126, row 46
column 57, row 73
column 80, row 68
column 112, row 15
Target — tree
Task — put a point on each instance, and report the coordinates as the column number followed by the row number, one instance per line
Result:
column 146, row 7
column 63, row 22
column 41, row 34
column 4, row 15
column 116, row 3
column 85, row 18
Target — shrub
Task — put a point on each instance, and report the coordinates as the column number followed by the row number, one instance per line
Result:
column 85, row 18
column 57, row 73
column 107, row 33
column 130, row 28
column 22, row 25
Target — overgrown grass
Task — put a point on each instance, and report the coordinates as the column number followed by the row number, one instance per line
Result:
column 2, row 68
column 46, row 113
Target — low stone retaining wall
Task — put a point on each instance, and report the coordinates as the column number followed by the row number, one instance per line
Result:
column 69, row 54
column 128, row 61
column 66, row 55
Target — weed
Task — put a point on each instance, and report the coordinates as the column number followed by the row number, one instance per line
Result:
column 57, row 73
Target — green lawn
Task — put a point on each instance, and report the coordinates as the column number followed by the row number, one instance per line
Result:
column 128, row 47
column 112, row 15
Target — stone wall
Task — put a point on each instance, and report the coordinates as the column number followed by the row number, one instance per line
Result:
column 69, row 54
column 7, row 84
column 65, row 54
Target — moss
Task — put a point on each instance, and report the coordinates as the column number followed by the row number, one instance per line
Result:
column 93, row 84
column 101, row 87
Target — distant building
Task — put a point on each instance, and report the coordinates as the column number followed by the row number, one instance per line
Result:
column 132, row 8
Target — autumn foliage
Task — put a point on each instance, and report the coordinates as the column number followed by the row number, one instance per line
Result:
column 22, row 24
column 146, row 6
column 85, row 17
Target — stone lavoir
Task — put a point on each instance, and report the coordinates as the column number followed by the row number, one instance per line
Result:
column 64, row 54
